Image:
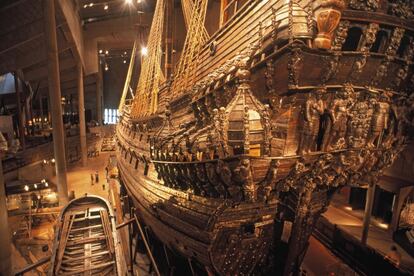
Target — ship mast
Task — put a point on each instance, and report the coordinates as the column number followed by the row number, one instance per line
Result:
column 169, row 26
column 128, row 77
column 146, row 94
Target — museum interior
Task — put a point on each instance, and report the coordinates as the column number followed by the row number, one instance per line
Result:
column 206, row 137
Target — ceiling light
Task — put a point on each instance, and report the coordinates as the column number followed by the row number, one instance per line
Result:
column 85, row 6
column 106, row 7
column 144, row 51
column 125, row 53
column 46, row 184
column 106, row 52
column 26, row 188
column 35, row 185
column 90, row 4
column 100, row 51
column 106, row 67
column 124, row 61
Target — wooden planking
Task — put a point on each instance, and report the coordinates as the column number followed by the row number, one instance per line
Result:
column 169, row 236
column 239, row 36
column 187, row 220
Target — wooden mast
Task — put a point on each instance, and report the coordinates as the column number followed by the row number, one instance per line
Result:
column 169, row 25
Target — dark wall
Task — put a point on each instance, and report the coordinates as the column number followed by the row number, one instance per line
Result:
column 113, row 81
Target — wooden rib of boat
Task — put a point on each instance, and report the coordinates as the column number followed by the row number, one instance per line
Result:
column 234, row 170
column 86, row 240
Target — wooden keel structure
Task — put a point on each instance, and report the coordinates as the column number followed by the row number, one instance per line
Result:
column 86, row 240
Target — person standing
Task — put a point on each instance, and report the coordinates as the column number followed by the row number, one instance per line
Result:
column 96, row 176
column 92, row 178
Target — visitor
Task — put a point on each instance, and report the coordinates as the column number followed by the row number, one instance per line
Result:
column 96, row 176
column 92, row 178
column 394, row 256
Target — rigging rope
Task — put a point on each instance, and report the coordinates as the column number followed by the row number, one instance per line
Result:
column 151, row 76
column 128, row 77
column 194, row 40
column 187, row 7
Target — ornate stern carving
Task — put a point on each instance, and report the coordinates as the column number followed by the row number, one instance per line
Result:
column 364, row 5
column 402, row 9
column 312, row 111
column 327, row 15
column 245, row 121
column 340, row 36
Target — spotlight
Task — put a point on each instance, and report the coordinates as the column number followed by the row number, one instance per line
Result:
column 43, row 181
column 129, row 2
column 53, row 160
column 125, row 53
column 124, row 61
column 106, row 67
column 144, row 51
column 100, row 51
column 106, row 52
column 35, row 185
column 26, row 188
column 85, row 6
column 105, row 7
column 46, row 184
column 90, row 4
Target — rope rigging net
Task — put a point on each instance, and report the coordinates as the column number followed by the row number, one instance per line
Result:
column 187, row 7
column 194, row 40
column 151, row 76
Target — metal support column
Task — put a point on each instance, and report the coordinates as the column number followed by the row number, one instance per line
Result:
column 81, row 110
column 369, row 202
column 55, row 99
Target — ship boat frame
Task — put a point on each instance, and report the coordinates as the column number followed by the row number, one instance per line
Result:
column 86, row 239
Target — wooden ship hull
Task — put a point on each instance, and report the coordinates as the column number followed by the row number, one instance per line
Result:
column 234, row 171
column 86, row 240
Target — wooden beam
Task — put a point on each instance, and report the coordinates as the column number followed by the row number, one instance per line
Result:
column 41, row 72
column 7, row 4
column 29, row 59
column 73, row 29
column 68, row 75
column 24, row 35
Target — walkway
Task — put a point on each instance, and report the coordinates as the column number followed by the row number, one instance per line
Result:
column 378, row 238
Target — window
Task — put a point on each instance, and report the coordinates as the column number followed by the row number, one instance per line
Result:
column 352, row 40
column 111, row 116
column 380, row 42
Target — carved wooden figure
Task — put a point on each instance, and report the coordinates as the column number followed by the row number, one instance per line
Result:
column 312, row 112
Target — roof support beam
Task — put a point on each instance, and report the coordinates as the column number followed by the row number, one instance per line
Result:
column 73, row 29
column 30, row 59
column 41, row 72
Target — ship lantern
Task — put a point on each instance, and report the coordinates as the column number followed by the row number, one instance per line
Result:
column 327, row 15
column 294, row 16
column 247, row 119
